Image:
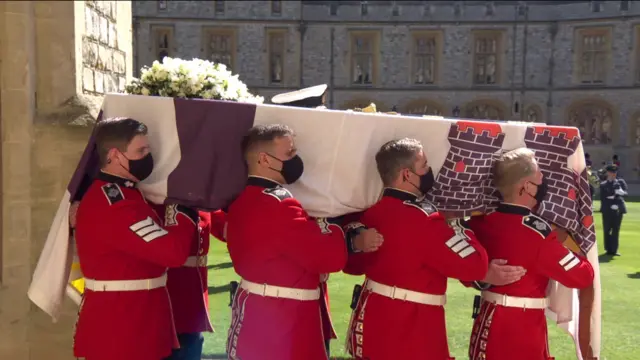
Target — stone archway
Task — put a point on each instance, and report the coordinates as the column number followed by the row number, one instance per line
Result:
column 533, row 113
column 423, row 107
column 485, row 110
column 596, row 120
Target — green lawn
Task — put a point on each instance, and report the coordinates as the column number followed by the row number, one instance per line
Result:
column 620, row 279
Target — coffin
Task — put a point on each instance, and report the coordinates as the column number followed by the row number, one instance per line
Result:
column 196, row 148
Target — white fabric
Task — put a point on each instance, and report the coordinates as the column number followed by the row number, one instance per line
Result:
column 125, row 285
column 159, row 114
column 196, row 261
column 397, row 293
column 515, row 301
column 564, row 308
column 280, row 291
column 50, row 278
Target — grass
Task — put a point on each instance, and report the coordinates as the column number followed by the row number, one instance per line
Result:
column 620, row 278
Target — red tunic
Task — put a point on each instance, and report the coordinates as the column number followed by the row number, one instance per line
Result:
column 523, row 239
column 416, row 255
column 272, row 241
column 187, row 285
column 126, row 325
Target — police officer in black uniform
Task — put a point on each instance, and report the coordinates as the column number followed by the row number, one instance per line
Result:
column 612, row 207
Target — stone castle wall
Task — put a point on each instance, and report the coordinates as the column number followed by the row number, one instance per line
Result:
column 538, row 56
column 56, row 60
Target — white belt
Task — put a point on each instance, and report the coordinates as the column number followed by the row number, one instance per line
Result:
column 125, row 285
column 515, row 302
column 196, row 261
column 405, row 295
column 280, row 292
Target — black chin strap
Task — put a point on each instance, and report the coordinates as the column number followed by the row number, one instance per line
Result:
column 416, row 187
column 522, row 190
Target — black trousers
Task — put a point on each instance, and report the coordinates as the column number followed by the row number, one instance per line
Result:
column 611, row 220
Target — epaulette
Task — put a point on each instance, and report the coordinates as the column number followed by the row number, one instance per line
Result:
column 424, row 205
column 537, row 224
column 113, row 193
column 279, row 193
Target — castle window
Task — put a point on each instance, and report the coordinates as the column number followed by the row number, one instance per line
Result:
column 425, row 49
column 276, row 7
column 593, row 50
column 276, row 50
column 219, row 6
column 364, row 56
column 162, row 42
column 486, row 57
column 220, row 46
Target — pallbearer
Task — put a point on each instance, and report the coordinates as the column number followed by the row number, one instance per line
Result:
column 511, row 323
column 315, row 98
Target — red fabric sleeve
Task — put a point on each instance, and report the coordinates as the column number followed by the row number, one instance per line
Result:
column 218, row 225
column 316, row 245
column 140, row 235
column 454, row 251
column 561, row 264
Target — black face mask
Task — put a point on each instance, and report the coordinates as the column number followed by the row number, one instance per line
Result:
column 426, row 182
column 541, row 192
column 292, row 169
column 141, row 168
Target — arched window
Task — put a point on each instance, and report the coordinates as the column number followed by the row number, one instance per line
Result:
column 423, row 107
column 484, row 110
column 533, row 114
column 594, row 119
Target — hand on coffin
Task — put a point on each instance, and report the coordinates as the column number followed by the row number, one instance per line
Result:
column 620, row 192
column 368, row 240
column 502, row 274
column 73, row 209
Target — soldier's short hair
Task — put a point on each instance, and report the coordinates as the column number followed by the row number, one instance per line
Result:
column 511, row 167
column 396, row 155
column 261, row 135
column 116, row 132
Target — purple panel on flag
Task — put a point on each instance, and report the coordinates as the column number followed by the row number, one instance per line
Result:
column 211, row 171
column 88, row 167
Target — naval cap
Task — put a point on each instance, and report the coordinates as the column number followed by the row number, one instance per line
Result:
column 310, row 97
column 612, row 168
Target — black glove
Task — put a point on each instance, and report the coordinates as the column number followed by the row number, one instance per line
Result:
column 352, row 230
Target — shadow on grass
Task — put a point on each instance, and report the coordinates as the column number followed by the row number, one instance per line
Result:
column 219, row 289
column 214, row 356
column 224, row 265
column 634, row 276
column 605, row 258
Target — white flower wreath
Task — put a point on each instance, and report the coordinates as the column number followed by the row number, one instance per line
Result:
column 194, row 79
